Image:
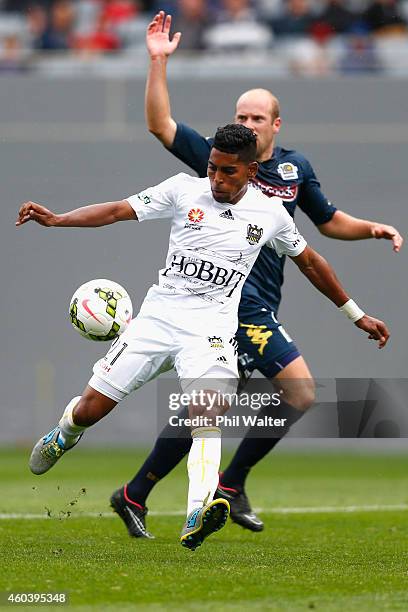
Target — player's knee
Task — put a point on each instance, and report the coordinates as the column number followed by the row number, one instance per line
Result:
column 208, row 403
column 303, row 398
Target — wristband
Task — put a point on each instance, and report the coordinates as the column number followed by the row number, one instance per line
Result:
column 352, row 311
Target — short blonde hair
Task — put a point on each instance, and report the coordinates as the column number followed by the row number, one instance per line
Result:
column 274, row 102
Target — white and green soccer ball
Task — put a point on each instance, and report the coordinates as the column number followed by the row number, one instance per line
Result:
column 100, row 310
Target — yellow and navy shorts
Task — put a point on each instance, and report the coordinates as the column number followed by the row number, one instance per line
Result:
column 264, row 345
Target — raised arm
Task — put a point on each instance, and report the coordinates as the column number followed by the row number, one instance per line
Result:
column 94, row 215
column 323, row 277
column 157, row 102
column 345, row 227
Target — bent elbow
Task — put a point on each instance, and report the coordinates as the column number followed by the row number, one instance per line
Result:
column 161, row 135
column 163, row 130
column 326, row 229
column 153, row 129
column 156, row 128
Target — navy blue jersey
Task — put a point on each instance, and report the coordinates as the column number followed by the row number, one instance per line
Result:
column 288, row 175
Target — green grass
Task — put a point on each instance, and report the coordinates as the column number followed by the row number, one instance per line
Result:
column 324, row 561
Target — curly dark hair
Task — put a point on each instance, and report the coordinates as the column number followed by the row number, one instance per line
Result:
column 238, row 139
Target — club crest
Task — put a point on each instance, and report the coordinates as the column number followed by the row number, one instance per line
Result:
column 254, row 234
column 216, row 342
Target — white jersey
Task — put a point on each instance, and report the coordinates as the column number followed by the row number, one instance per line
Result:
column 212, row 246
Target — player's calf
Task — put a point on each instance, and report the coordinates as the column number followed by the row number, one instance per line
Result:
column 205, row 453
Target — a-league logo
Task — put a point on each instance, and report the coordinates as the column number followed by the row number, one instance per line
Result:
column 254, row 234
column 145, row 199
column 195, row 215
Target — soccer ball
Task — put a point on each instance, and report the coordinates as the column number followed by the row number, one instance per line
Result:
column 100, row 310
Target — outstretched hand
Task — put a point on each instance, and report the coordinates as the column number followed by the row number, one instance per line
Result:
column 30, row 211
column 376, row 329
column 158, row 36
column 389, row 233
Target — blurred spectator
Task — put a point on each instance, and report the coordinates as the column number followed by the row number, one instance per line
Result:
column 101, row 39
column 238, row 28
column 53, row 33
column 13, row 56
column 296, row 19
column 311, row 57
column 148, row 6
column 336, row 16
column 360, row 54
column 383, row 17
column 270, row 9
column 191, row 19
column 21, row 6
column 236, row 10
column 114, row 12
column 36, row 24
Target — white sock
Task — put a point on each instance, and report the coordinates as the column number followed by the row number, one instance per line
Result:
column 203, row 464
column 69, row 432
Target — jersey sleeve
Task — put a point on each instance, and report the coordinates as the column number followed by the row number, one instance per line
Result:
column 156, row 202
column 192, row 149
column 312, row 200
column 286, row 239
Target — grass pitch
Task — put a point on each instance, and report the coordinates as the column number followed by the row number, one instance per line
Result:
column 336, row 537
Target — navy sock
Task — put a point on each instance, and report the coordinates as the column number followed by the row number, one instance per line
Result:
column 165, row 455
column 253, row 448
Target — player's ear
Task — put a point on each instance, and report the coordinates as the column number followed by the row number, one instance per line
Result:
column 252, row 170
column 277, row 125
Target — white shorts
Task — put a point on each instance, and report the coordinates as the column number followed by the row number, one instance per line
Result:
column 151, row 345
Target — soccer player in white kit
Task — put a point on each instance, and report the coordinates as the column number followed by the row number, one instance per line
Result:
column 188, row 320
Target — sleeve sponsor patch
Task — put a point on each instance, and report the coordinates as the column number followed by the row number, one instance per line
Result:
column 288, row 171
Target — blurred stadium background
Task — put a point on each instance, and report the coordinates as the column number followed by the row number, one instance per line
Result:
column 72, row 132
column 304, row 37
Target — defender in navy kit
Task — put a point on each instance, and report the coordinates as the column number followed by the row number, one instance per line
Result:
column 263, row 343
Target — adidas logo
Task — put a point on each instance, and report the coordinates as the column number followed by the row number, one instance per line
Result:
column 221, row 358
column 227, row 215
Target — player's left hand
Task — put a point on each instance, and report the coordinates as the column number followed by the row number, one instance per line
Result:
column 376, row 329
column 31, row 211
column 388, row 232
